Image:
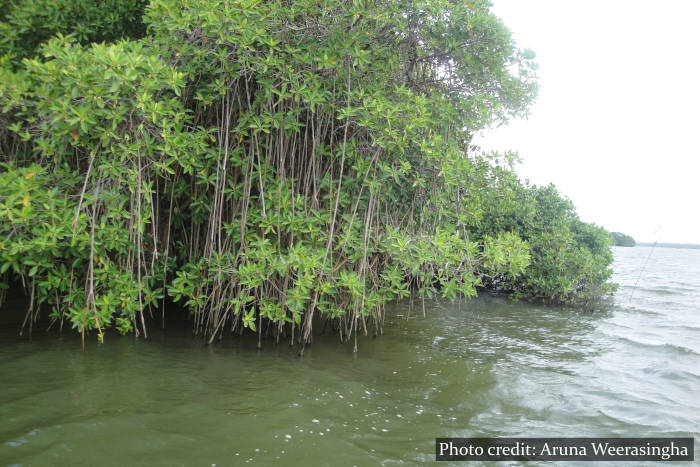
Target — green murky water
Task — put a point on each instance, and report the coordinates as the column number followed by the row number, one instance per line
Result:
column 487, row 368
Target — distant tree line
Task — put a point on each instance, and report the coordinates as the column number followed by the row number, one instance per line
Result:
column 620, row 239
column 687, row 246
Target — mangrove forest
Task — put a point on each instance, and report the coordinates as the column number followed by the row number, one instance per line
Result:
column 271, row 167
column 620, row 239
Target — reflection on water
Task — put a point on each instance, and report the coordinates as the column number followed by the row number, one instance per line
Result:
column 488, row 368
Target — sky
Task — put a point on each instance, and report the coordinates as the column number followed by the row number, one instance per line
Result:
column 617, row 120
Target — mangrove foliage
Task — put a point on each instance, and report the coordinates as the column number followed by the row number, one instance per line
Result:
column 620, row 239
column 270, row 165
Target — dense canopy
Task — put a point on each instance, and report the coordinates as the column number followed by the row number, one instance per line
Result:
column 270, row 164
column 620, row 239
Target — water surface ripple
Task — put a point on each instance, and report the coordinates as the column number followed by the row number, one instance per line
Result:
column 489, row 367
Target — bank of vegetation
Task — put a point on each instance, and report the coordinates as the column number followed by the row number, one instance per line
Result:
column 620, row 239
column 270, row 165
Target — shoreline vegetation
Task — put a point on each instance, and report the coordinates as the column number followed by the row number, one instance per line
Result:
column 271, row 165
column 620, row 239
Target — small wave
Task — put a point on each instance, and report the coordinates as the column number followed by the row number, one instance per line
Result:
column 668, row 304
column 636, row 309
column 658, row 290
column 676, row 375
column 667, row 290
column 658, row 345
column 677, row 326
column 617, row 420
column 650, row 306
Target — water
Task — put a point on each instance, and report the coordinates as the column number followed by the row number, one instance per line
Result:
column 488, row 368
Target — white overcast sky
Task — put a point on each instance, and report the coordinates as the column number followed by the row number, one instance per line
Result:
column 616, row 124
